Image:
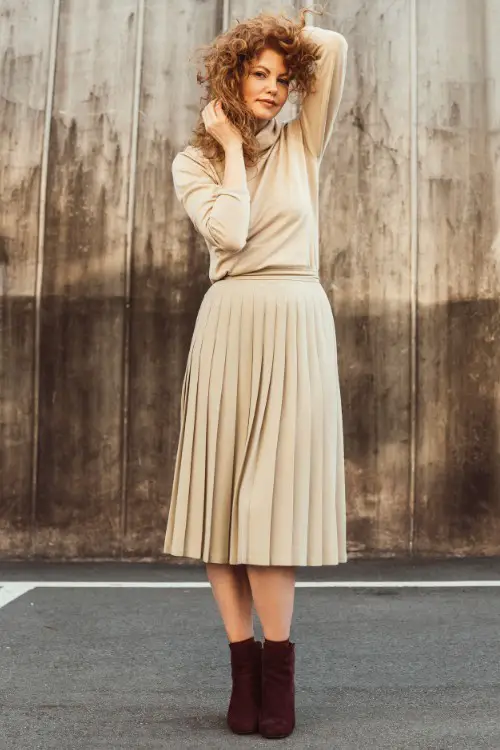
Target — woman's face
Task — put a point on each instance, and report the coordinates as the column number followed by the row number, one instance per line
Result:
column 267, row 80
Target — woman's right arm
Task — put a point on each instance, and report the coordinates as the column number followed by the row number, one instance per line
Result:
column 221, row 213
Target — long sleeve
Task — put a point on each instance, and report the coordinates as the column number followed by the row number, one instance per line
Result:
column 319, row 109
column 220, row 214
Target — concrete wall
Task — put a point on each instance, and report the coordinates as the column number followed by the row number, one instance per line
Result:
column 101, row 273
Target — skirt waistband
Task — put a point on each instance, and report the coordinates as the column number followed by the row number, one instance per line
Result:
column 285, row 274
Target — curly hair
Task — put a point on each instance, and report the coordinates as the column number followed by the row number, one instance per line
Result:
column 226, row 62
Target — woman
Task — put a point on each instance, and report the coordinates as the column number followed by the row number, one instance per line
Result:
column 259, row 477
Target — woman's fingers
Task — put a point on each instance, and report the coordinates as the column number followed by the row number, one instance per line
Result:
column 218, row 126
column 208, row 113
column 214, row 108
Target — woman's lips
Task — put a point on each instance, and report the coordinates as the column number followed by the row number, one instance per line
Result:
column 268, row 104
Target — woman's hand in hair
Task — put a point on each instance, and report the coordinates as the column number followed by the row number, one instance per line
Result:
column 219, row 127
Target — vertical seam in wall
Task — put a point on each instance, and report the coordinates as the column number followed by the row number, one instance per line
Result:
column 226, row 14
column 129, row 242
column 413, row 264
column 54, row 32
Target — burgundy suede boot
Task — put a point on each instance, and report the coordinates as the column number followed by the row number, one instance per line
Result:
column 277, row 714
column 246, row 672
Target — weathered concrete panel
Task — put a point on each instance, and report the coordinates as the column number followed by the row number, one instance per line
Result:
column 365, row 266
column 170, row 264
column 458, row 480
column 78, row 509
column 25, row 31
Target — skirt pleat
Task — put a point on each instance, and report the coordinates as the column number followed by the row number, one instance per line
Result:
column 259, row 473
column 303, row 438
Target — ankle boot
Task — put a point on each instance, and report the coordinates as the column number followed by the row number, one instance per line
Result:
column 277, row 714
column 246, row 673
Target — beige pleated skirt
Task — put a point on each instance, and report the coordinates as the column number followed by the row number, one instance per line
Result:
column 259, row 474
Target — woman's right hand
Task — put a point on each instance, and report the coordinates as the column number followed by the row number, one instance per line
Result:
column 219, row 127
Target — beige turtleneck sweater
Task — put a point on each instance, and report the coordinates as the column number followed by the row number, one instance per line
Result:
column 272, row 226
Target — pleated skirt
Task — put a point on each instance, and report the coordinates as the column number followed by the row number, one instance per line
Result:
column 259, row 473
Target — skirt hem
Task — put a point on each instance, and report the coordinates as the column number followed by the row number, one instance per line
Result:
column 301, row 564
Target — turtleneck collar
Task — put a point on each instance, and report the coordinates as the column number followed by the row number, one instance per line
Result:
column 269, row 134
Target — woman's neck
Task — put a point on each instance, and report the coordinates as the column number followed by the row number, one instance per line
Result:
column 260, row 124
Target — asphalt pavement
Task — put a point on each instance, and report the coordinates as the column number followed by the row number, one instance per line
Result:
column 391, row 655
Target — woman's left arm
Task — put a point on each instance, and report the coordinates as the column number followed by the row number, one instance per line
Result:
column 319, row 108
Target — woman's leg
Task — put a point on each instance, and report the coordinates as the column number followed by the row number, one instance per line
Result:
column 232, row 593
column 273, row 592
column 231, row 590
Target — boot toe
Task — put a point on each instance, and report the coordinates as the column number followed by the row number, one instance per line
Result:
column 275, row 728
column 247, row 725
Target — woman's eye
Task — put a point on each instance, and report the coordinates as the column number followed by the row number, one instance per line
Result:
column 259, row 73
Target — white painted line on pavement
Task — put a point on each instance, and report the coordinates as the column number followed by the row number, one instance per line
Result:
column 23, row 586
column 11, row 591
